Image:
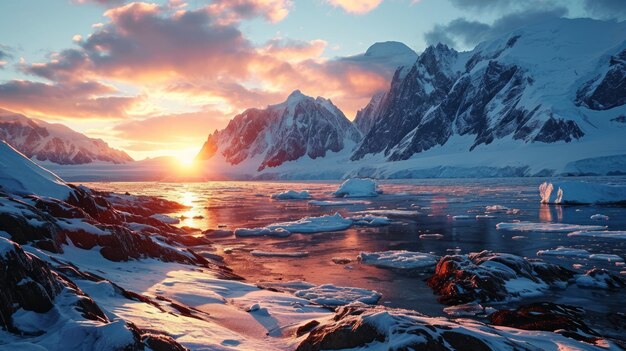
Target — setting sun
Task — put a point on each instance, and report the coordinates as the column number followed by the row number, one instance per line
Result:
column 186, row 157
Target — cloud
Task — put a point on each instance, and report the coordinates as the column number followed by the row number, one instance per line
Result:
column 356, row 6
column 294, row 50
column 465, row 34
column 484, row 4
column 232, row 11
column 606, row 9
column 78, row 100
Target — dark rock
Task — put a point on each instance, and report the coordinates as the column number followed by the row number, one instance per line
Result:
column 567, row 320
column 607, row 90
column 461, row 279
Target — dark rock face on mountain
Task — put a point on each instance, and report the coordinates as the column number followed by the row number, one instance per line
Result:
column 54, row 142
column 367, row 116
column 607, row 90
column 301, row 126
column 486, row 276
column 447, row 93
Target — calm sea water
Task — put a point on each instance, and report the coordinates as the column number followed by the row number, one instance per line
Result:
column 230, row 205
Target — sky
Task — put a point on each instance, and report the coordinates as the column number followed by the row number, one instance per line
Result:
column 155, row 78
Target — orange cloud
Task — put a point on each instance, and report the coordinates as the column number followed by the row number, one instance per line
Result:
column 356, row 6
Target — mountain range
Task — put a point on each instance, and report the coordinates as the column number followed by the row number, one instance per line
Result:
column 546, row 99
column 55, row 143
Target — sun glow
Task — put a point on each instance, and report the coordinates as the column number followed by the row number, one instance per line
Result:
column 187, row 157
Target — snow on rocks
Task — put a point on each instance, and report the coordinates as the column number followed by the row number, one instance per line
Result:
column 597, row 278
column 379, row 328
column 563, row 319
column 292, row 195
column 486, row 277
column 604, row 234
column 19, row 175
column 468, row 310
column 399, row 259
column 165, row 218
column 357, row 187
column 599, row 217
column 332, row 295
column 546, row 227
column 576, row 192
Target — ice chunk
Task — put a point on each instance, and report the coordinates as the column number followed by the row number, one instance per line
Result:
column 545, row 227
column 329, row 294
column 496, row 208
column 398, row 213
column 468, row 310
column 605, row 234
column 357, row 187
column 292, row 195
column 485, row 216
column 575, row 192
column 370, row 220
column 606, row 257
column 263, row 231
column 461, row 217
column 279, row 253
column 431, row 236
column 600, row 217
column 564, row 251
column 328, row 223
column 400, row 259
column 600, row 279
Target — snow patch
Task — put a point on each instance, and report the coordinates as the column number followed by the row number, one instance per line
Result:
column 332, row 295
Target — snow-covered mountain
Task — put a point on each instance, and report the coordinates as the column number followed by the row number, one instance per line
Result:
column 526, row 87
column 301, row 126
column 56, row 143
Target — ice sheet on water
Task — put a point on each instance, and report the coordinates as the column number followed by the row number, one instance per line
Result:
column 604, row 234
column 599, row 217
column 399, row 259
column 333, row 295
column 545, row 227
column 357, row 187
column 292, row 195
column 262, row 231
column 370, row 220
column 390, row 212
column 576, row 192
column 564, row 251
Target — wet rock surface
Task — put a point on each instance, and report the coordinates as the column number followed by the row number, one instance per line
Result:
column 488, row 277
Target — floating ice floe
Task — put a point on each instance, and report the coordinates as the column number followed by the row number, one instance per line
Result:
column 262, row 231
column 486, row 216
column 262, row 253
column 398, row 213
column 431, row 236
column 357, row 187
column 580, row 253
column 327, row 223
column 564, row 251
column 496, row 208
column 328, row 203
column 545, row 227
column 370, row 220
column 600, row 217
column 605, row 234
column 399, row 259
column 309, row 225
column 165, row 218
column 575, row 192
column 461, row 217
column 292, row 195
column 333, row 295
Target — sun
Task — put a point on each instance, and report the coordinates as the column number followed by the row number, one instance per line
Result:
column 186, row 158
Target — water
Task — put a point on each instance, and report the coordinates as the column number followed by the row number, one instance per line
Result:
column 230, row 205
